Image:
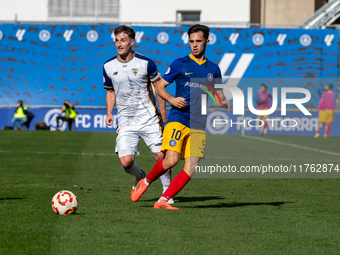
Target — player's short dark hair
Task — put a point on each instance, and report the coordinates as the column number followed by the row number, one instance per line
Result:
column 264, row 85
column 199, row 28
column 21, row 103
column 125, row 29
column 330, row 86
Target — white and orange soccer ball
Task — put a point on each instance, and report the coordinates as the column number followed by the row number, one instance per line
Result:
column 64, row 202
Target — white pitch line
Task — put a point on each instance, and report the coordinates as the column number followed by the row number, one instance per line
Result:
column 150, row 155
column 293, row 145
column 63, row 153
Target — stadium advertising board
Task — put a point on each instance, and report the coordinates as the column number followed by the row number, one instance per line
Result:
column 43, row 64
column 218, row 122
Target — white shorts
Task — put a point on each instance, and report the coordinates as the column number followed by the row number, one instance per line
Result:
column 127, row 141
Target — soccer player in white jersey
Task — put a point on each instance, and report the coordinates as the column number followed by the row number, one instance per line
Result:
column 127, row 79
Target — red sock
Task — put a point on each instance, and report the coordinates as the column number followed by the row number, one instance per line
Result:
column 176, row 185
column 265, row 125
column 328, row 128
column 156, row 172
column 318, row 131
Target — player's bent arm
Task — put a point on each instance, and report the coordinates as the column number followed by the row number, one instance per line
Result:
column 161, row 103
column 338, row 105
column 69, row 103
column 225, row 102
column 110, row 103
column 161, row 91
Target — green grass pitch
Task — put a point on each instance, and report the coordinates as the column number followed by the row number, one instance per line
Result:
column 216, row 216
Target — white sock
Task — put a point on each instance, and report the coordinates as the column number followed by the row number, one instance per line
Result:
column 146, row 182
column 134, row 170
column 161, row 199
column 166, row 179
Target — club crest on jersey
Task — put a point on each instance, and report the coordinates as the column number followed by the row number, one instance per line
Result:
column 172, row 143
column 167, row 71
column 210, row 77
column 135, row 71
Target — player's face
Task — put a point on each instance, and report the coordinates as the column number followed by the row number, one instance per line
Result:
column 198, row 44
column 124, row 44
column 263, row 88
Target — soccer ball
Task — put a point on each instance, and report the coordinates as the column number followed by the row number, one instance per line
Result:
column 64, row 202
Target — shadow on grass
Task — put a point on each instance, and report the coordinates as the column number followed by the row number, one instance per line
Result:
column 190, row 199
column 11, row 198
column 231, row 205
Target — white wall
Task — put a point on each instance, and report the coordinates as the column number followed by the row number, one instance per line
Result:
column 158, row 11
column 165, row 10
column 23, row 10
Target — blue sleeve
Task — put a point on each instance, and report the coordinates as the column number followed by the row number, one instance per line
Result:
column 153, row 72
column 172, row 72
column 107, row 81
column 218, row 76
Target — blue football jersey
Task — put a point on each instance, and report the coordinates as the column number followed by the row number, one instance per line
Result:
column 193, row 78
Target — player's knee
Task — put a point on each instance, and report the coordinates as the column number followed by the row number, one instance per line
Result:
column 158, row 156
column 126, row 163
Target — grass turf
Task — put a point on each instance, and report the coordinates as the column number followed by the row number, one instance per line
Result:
column 217, row 216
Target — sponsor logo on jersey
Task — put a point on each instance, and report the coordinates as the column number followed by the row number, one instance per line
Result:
column 210, row 77
column 195, row 85
column 135, row 71
column 172, row 143
column 206, row 88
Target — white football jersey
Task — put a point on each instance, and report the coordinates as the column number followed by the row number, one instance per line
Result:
column 131, row 81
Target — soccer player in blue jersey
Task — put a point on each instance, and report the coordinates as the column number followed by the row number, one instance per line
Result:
column 184, row 135
column 128, row 79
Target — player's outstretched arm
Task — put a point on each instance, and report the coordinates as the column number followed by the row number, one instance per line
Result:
column 178, row 102
column 225, row 102
column 110, row 103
